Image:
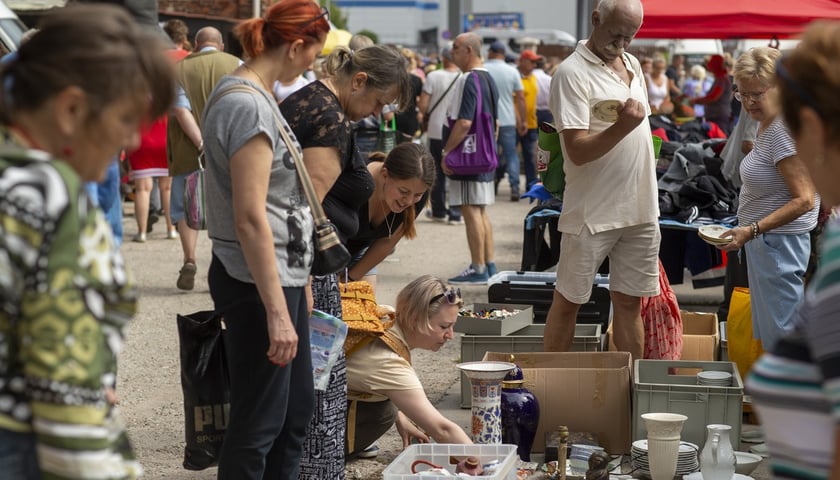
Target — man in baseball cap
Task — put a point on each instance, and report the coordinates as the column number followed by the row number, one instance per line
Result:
column 498, row 47
column 528, row 139
column 530, row 56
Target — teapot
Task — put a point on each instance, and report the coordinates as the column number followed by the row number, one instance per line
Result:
column 717, row 460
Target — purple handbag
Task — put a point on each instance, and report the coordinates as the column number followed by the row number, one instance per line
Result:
column 477, row 152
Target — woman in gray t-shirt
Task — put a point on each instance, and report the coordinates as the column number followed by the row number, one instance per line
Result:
column 261, row 230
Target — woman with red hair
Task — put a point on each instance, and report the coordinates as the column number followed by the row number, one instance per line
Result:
column 718, row 100
column 261, row 229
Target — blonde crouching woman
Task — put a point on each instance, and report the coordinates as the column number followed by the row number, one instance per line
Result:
column 391, row 393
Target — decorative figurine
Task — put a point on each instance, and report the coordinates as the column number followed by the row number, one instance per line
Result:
column 599, row 468
column 563, row 450
column 469, row 466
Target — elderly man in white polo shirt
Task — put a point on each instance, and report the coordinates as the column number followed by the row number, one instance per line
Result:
column 599, row 102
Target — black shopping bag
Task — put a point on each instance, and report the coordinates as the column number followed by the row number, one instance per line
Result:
column 206, row 386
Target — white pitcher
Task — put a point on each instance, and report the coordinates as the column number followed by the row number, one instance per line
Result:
column 717, row 461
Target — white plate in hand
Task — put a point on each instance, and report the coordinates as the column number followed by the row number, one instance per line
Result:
column 712, row 234
column 606, row 111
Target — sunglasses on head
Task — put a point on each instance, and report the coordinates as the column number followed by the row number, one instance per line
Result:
column 324, row 13
column 452, row 296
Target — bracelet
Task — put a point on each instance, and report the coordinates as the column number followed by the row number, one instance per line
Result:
column 755, row 230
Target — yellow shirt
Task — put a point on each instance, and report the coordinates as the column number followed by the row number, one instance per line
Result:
column 529, row 84
column 376, row 368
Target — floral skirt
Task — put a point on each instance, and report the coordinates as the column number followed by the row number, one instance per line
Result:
column 323, row 449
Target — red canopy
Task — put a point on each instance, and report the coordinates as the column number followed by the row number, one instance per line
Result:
column 725, row 19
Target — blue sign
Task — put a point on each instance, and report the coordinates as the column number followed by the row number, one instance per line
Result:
column 502, row 21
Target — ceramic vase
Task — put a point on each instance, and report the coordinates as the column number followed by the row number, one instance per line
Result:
column 520, row 413
column 486, row 382
column 717, row 460
column 663, row 436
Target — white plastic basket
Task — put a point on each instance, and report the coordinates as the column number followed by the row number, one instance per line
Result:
column 439, row 453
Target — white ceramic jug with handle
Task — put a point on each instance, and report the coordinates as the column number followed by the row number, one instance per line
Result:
column 717, row 460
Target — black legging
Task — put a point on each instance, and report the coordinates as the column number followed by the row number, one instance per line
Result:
column 266, row 426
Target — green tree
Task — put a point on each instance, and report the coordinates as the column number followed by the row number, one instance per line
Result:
column 337, row 17
column 373, row 36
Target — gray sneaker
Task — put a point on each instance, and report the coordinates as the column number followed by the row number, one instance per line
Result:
column 370, row 452
column 186, row 277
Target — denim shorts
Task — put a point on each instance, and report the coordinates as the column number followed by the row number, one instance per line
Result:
column 18, row 455
column 176, row 198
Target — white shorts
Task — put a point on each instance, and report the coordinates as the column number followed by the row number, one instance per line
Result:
column 634, row 261
column 470, row 192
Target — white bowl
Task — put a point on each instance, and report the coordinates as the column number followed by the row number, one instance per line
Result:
column 746, row 462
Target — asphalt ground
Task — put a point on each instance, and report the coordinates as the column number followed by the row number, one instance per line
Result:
column 149, row 380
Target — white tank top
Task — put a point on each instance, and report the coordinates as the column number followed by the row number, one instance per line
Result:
column 656, row 93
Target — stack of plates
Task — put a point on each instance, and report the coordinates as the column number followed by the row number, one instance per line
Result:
column 711, row 234
column 715, row 379
column 687, row 459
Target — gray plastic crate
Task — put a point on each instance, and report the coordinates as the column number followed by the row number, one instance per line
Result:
column 658, row 389
column 495, row 326
column 529, row 339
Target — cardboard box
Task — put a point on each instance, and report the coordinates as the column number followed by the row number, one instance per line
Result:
column 586, row 391
column 495, row 326
column 701, row 336
column 529, row 339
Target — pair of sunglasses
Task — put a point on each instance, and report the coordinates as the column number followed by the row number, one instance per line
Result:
column 325, row 13
column 452, row 296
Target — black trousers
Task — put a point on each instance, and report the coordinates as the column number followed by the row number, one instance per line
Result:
column 438, row 195
column 270, row 405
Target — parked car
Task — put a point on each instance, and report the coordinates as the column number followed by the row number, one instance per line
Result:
column 11, row 30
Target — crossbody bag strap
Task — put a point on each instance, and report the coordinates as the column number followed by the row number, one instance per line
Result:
column 311, row 197
column 444, row 94
column 306, row 182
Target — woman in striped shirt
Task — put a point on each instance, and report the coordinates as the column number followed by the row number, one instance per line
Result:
column 796, row 387
column 778, row 206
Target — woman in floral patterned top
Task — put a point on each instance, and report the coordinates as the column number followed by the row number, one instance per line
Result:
column 70, row 98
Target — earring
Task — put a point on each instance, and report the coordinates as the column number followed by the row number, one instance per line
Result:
column 67, row 151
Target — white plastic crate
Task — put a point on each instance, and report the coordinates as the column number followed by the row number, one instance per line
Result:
column 439, row 453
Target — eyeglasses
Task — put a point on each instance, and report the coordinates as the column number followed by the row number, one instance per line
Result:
column 798, row 89
column 752, row 97
column 452, row 296
column 324, row 13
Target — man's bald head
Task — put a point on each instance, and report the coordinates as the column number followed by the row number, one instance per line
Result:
column 629, row 8
column 614, row 25
column 209, row 37
column 472, row 41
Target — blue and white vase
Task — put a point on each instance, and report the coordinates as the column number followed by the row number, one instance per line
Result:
column 486, row 381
